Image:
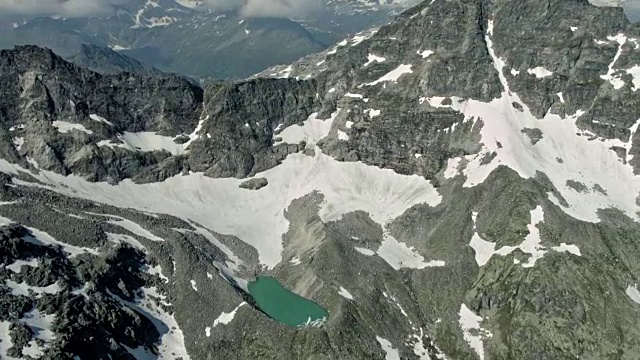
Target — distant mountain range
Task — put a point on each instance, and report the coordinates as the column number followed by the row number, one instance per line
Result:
column 182, row 36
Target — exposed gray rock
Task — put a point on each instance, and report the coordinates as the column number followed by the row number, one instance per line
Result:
column 255, row 184
column 534, row 134
column 577, row 186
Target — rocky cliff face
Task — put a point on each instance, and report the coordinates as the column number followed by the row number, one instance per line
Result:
column 459, row 184
column 50, row 109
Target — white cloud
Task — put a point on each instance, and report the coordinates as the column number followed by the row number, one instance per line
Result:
column 82, row 8
column 279, row 8
column 67, row 8
column 267, row 8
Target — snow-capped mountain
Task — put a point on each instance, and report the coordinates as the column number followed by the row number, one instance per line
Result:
column 458, row 184
column 188, row 38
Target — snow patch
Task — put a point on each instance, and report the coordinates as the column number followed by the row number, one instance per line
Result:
column 40, row 324
column 399, row 255
column 130, row 226
column 5, row 340
column 397, row 304
column 156, row 270
column 425, row 54
column 540, row 72
column 483, row 249
column 358, row 39
column 226, row 318
column 119, row 47
column 160, row 21
column 571, row 249
column 126, row 239
column 345, row 294
column 373, row 113
column 531, row 245
column 391, row 353
column 373, row 58
column 146, row 141
column 98, row 118
column 364, row 251
column 422, row 351
column 66, row 127
column 532, row 242
column 84, row 290
column 234, row 261
column 24, row 289
column 312, row 130
column 16, row 267
column 42, row 238
column 18, row 142
column 5, row 221
column 472, row 331
column 195, row 134
column 452, row 168
column 355, row 96
column 607, row 3
column 284, row 73
column 33, row 349
column 615, row 80
column 393, row 75
column 635, row 73
column 342, row 135
column 295, row 261
column 633, row 293
column 193, row 285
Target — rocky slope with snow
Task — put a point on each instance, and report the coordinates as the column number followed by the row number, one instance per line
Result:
column 459, row 184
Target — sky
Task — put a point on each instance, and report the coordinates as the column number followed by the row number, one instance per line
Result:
column 80, row 8
column 69, row 8
column 248, row 8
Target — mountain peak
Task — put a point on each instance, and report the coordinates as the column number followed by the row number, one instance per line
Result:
column 33, row 57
